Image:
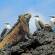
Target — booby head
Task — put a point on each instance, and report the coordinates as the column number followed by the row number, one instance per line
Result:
column 37, row 17
column 52, row 16
column 52, row 19
column 8, row 26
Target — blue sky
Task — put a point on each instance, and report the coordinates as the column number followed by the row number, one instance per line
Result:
column 10, row 9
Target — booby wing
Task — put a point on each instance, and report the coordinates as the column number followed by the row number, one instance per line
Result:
column 3, row 32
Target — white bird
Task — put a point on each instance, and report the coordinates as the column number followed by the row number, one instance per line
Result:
column 52, row 22
column 6, row 29
column 39, row 23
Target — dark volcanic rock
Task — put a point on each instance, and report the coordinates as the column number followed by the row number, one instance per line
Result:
column 45, row 37
column 41, row 43
column 44, row 50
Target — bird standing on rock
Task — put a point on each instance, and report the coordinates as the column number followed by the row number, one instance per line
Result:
column 52, row 22
column 39, row 23
column 6, row 30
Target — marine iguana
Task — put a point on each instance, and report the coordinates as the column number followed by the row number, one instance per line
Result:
column 17, row 33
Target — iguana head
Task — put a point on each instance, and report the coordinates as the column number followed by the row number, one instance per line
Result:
column 26, row 16
column 24, row 20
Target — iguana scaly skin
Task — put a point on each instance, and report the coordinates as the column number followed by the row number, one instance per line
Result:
column 10, row 38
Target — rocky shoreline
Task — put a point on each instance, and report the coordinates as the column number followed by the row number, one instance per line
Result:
column 40, row 43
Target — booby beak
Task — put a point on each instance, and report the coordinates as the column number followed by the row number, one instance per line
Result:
column 52, row 16
column 36, row 16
